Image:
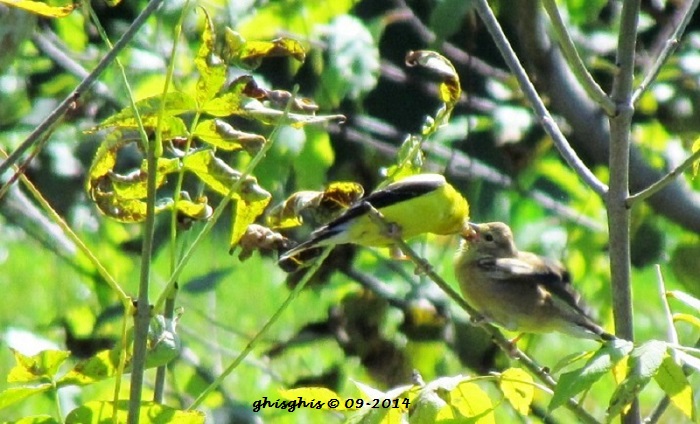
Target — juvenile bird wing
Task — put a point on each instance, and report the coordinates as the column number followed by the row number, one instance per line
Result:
column 529, row 268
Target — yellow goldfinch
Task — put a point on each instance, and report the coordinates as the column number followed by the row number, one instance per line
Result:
column 519, row 291
column 423, row 203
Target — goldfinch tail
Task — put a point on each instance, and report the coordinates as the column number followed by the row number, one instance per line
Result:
column 300, row 256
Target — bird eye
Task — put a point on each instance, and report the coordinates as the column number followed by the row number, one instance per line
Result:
column 488, row 237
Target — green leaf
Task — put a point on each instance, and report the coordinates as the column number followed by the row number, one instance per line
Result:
column 43, row 365
column 293, row 17
column 101, row 412
column 353, row 63
column 9, row 397
column 517, row 386
column 572, row 383
column 249, row 54
column 37, row 419
column 176, row 103
column 673, row 381
column 315, row 158
column 212, row 70
column 426, row 407
column 98, row 367
column 447, row 17
column 220, row 134
column 646, row 358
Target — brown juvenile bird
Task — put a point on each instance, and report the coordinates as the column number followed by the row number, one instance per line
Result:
column 519, row 291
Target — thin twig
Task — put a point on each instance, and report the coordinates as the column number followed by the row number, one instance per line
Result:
column 536, row 102
column 50, row 49
column 574, row 60
column 664, row 181
column 81, row 88
column 499, row 339
column 669, row 47
column 270, row 322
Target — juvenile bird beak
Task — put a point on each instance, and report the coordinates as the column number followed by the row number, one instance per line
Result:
column 470, row 231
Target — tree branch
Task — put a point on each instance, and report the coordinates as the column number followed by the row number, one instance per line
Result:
column 683, row 15
column 536, row 103
column 574, row 60
column 590, row 129
column 619, row 161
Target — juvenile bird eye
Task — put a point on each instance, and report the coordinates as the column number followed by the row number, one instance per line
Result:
column 488, row 237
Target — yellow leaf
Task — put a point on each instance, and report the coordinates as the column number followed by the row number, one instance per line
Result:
column 470, row 401
column 40, row 8
column 518, row 388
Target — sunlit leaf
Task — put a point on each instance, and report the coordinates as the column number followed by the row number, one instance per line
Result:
column 214, row 172
column 249, row 54
column 98, row 367
column 326, row 204
column 212, row 70
column 448, row 17
column 220, row 134
column 690, row 319
column 175, row 103
column 517, row 386
column 426, row 406
column 449, row 90
column 249, row 207
column 41, row 8
column 673, row 381
column 468, row 401
column 574, row 382
column 694, row 149
column 291, row 17
column 12, row 395
column 646, row 359
column 43, row 365
column 266, row 115
column 101, row 412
